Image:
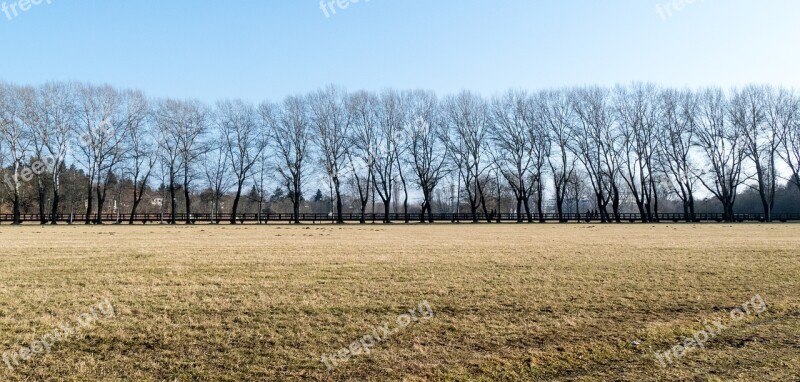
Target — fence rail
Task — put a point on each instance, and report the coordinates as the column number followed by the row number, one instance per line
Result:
column 379, row 217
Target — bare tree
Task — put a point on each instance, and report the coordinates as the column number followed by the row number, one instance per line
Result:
column 467, row 117
column 33, row 119
column 192, row 127
column 556, row 113
column 17, row 138
column 290, row 133
column 102, row 132
column 390, row 124
column 181, row 125
column 593, row 144
column 402, row 148
column 678, row 111
column 723, row 146
column 783, row 115
column 541, row 149
column 637, row 114
column 363, row 147
column 262, row 173
column 167, row 115
column 57, row 131
column 749, row 112
column 87, row 125
column 427, row 146
column 331, row 121
column 513, row 151
column 576, row 188
column 245, row 140
column 215, row 168
column 141, row 145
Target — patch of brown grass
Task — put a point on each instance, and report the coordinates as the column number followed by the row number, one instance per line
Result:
column 510, row 302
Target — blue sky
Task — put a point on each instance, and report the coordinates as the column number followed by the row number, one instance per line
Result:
column 259, row 50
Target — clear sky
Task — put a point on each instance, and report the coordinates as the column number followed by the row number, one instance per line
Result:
column 268, row 49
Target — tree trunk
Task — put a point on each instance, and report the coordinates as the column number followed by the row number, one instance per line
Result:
column 483, row 202
column 540, row 201
column 405, row 191
column 526, row 203
column 42, row 214
column 339, row 206
column 296, row 206
column 54, row 211
column 135, row 203
column 642, row 212
column 17, row 217
column 765, row 206
column 426, row 204
column 405, row 207
column 386, row 206
column 174, row 199
column 540, row 209
column 133, row 211
column 188, row 201
column 615, row 203
column 100, row 202
column 89, row 199
column 474, row 210
column 655, row 217
column 560, row 205
column 362, row 219
column 729, row 212
column 601, row 205
column 236, row 202
column 138, row 195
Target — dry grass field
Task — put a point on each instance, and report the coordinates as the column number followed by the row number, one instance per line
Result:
column 507, row 302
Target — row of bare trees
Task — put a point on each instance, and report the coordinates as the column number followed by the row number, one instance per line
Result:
column 628, row 143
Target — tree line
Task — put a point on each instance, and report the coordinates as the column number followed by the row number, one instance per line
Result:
column 639, row 144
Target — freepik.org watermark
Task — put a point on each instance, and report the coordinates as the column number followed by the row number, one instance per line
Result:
column 13, row 9
column 329, row 7
column 103, row 311
column 39, row 167
column 711, row 329
column 666, row 9
column 47, row 163
column 379, row 334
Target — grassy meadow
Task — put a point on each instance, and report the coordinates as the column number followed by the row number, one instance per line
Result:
column 508, row 302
